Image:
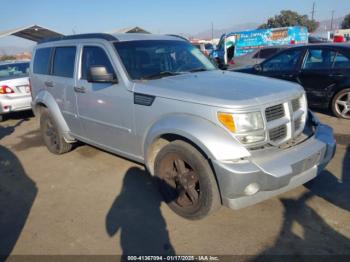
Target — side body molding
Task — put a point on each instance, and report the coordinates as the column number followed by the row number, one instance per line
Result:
column 44, row 97
column 213, row 140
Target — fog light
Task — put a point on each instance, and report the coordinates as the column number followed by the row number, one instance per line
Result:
column 251, row 189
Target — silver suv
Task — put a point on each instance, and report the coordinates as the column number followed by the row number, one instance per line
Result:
column 210, row 137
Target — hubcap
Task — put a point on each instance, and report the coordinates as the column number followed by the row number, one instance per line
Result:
column 181, row 181
column 342, row 105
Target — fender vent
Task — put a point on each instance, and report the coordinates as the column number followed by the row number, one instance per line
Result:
column 143, row 100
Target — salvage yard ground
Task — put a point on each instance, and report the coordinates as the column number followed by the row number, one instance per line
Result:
column 91, row 202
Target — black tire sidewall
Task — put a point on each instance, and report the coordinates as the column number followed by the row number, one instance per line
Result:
column 209, row 199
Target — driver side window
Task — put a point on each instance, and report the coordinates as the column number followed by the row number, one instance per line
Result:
column 286, row 61
column 94, row 56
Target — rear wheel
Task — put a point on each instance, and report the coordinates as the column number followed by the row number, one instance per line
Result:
column 186, row 181
column 341, row 104
column 51, row 135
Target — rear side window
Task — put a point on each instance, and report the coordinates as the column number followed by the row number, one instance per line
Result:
column 94, row 56
column 63, row 63
column 319, row 59
column 42, row 61
column 341, row 61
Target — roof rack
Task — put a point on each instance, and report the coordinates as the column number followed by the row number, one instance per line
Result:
column 104, row 36
column 179, row 36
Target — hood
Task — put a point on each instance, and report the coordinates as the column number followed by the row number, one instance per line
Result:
column 221, row 88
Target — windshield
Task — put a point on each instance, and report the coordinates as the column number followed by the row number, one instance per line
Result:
column 150, row 59
column 15, row 70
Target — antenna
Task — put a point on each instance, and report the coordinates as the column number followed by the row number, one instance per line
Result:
column 332, row 20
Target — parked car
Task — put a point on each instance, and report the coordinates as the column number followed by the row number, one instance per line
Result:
column 211, row 137
column 322, row 69
column 14, row 87
column 206, row 48
column 255, row 57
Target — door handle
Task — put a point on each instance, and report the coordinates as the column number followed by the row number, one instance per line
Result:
column 80, row 89
column 336, row 75
column 48, row 83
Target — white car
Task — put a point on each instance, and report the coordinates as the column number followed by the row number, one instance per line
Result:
column 14, row 87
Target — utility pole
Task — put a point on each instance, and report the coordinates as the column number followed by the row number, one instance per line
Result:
column 332, row 20
column 313, row 11
column 212, row 32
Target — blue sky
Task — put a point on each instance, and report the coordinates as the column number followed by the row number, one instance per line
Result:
column 176, row 16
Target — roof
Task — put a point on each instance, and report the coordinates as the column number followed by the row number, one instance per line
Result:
column 116, row 37
column 32, row 32
column 134, row 29
column 137, row 36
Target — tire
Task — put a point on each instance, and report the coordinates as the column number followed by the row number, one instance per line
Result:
column 51, row 135
column 341, row 104
column 186, row 181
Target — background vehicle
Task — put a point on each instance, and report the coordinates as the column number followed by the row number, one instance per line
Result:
column 236, row 44
column 210, row 137
column 322, row 69
column 14, row 87
column 206, row 48
column 255, row 57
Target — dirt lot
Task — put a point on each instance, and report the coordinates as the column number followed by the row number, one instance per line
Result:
column 92, row 202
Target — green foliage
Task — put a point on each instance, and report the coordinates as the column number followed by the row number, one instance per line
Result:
column 7, row 57
column 290, row 18
column 346, row 22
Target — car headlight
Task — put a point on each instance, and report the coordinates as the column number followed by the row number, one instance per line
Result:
column 248, row 127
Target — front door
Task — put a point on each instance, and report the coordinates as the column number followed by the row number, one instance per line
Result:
column 284, row 65
column 105, row 109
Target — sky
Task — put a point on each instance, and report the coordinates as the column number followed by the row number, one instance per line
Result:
column 158, row 16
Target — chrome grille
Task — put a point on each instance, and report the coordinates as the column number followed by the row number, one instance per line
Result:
column 274, row 112
column 296, row 104
column 278, row 133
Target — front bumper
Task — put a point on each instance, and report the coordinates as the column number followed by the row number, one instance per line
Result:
column 275, row 171
column 14, row 103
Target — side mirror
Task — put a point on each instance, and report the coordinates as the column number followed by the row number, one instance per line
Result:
column 99, row 74
column 258, row 67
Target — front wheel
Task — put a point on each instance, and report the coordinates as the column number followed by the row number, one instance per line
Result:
column 51, row 135
column 341, row 104
column 186, row 181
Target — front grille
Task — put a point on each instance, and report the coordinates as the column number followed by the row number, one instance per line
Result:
column 274, row 112
column 297, row 124
column 278, row 133
column 296, row 104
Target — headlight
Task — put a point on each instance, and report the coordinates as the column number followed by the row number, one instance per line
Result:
column 248, row 127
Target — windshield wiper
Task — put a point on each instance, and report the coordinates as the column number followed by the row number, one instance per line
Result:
column 199, row 69
column 160, row 75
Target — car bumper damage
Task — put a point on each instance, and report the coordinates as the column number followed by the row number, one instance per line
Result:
column 264, row 175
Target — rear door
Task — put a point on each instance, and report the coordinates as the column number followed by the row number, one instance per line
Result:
column 317, row 76
column 62, row 82
column 284, row 65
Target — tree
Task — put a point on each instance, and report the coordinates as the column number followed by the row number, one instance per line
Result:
column 346, row 22
column 290, row 18
column 7, row 57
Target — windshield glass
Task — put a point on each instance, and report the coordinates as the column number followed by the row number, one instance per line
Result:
column 8, row 71
column 150, row 59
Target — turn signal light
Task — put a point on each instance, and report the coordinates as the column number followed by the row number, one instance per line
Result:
column 227, row 120
column 6, row 90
